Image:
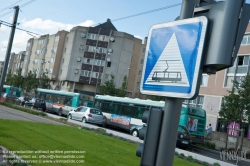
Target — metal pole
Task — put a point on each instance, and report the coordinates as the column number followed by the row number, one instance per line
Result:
column 172, row 111
column 7, row 57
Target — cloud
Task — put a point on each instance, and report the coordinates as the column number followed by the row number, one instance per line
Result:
column 139, row 37
column 38, row 26
column 50, row 26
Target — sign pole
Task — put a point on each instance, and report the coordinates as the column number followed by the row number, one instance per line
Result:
column 172, row 111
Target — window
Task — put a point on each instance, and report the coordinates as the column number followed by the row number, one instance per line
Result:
column 41, row 41
column 141, row 62
column 52, row 60
column 90, row 48
column 143, row 50
column 50, row 70
column 25, row 61
column 106, row 76
column 240, row 60
column 63, row 60
column 87, row 61
column 229, row 81
column 67, row 83
column 139, row 73
column 103, row 38
column 109, row 64
column 246, row 40
column 85, row 73
column 56, row 38
column 101, row 50
column 60, row 71
column 28, row 44
column 137, row 84
column 204, row 79
column 91, row 36
column 95, row 74
column 63, row 83
column 65, row 49
column 67, row 39
column 54, row 49
column 98, row 62
column 37, row 51
column 197, row 102
column 27, row 53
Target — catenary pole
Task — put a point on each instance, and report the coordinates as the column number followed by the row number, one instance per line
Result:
column 7, row 57
column 172, row 110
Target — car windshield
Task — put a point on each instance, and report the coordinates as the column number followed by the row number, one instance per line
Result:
column 183, row 129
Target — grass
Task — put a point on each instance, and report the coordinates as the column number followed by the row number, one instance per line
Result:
column 100, row 149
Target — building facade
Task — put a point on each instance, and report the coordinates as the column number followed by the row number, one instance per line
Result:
column 215, row 87
column 16, row 62
column 83, row 58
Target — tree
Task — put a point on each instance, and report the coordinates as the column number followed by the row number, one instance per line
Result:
column 156, row 98
column 44, row 81
column 236, row 106
column 122, row 91
column 31, row 82
column 17, row 79
column 108, row 87
column 9, row 79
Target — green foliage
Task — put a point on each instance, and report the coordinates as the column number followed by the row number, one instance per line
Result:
column 207, row 145
column 236, row 104
column 108, row 87
column 189, row 158
column 204, row 164
column 44, row 81
column 216, row 164
column 7, row 104
column 31, row 82
column 122, row 91
column 156, row 98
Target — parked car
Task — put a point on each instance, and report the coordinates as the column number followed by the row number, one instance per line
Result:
column 21, row 100
column 134, row 130
column 87, row 114
column 183, row 137
column 36, row 103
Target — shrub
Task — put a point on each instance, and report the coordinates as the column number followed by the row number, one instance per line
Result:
column 216, row 164
column 189, row 158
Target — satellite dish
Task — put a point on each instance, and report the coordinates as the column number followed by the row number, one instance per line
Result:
column 83, row 34
column 110, row 50
column 76, row 71
column 78, row 59
column 112, row 39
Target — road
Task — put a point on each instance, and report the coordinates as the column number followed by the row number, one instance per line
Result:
column 12, row 114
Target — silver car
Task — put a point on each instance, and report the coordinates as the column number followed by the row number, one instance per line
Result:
column 87, row 114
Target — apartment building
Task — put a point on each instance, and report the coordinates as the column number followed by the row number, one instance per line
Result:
column 44, row 54
column 83, row 58
column 214, row 87
column 16, row 62
column 135, row 72
column 1, row 67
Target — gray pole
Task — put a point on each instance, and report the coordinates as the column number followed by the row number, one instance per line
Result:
column 7, row 57
column 172, row 111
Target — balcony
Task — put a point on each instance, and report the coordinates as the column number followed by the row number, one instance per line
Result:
column 241, row 69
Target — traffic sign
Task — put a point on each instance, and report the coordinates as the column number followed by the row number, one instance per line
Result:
column 173, row 59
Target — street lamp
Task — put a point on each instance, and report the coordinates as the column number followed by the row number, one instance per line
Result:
column 122, row 75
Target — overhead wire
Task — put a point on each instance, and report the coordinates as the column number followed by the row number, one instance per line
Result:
column 10, row 6
column 23, row 5
column 150, row 11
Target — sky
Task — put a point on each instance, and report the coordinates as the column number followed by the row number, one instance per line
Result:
column 49, row 16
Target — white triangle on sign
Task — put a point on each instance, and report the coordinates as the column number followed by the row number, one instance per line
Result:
column 169, row 69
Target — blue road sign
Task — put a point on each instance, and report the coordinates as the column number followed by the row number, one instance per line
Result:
column 172, row 65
